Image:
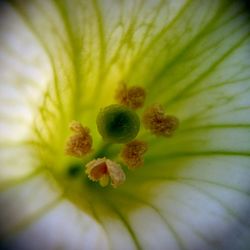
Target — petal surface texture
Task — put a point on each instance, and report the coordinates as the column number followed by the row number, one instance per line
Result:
column 63, row 60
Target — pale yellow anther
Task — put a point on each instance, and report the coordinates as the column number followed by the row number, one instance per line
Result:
column 132, row 97
column 102, row 169
column 80, row 143
column 133, row 152
column 158, row 123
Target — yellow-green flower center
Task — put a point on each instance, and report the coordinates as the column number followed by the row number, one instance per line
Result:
column 63, row 61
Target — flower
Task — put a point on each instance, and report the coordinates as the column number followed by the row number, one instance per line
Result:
column 63, row 61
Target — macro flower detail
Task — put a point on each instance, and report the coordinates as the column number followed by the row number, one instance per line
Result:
column 133, row 152
column 178, row 74
column 80, row 143
column 102, row 169
column 132, row 97
column 155, row 120
column 117, row 124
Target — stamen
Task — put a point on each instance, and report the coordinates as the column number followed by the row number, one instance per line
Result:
column 102, row 169
column 158, row 123
column 80, row 143
column 132, row 154
column 133, row 97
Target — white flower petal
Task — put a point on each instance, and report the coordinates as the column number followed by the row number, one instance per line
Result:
column 62, row 60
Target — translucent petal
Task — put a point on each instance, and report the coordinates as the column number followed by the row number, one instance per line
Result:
column 62, row 61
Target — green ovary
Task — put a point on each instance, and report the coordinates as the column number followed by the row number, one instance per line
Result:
column 118, row 124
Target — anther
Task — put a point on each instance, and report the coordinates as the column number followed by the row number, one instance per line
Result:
column 80, row 143
column 132, row 97
column 132, row 154
column 155, row 120
column 103, row 169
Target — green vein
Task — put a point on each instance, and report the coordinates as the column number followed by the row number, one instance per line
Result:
column 46, row 49
column 102, row 47
column 214, row 45
column 182, row 220
column 166, row 222
column 46, row 121
column 42, row 141
column 101, row 32
column 214, row 183
column 149, row 27
column 215, row 86
column 31, row 219
column 76, row 60
column 208, row 71
column 98, row 220
column 47, row 17
column 163, row 178
column 158, row 36
column 125, row 222
column 230, row 211
column 214, row 126
column 203, row 32
column 128, row 33
column 201, row 154
column 5, row 185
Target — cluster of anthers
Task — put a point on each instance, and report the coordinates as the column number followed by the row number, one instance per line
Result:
column 120, row 124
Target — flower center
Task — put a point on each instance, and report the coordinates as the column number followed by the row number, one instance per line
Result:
column 119, row 124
